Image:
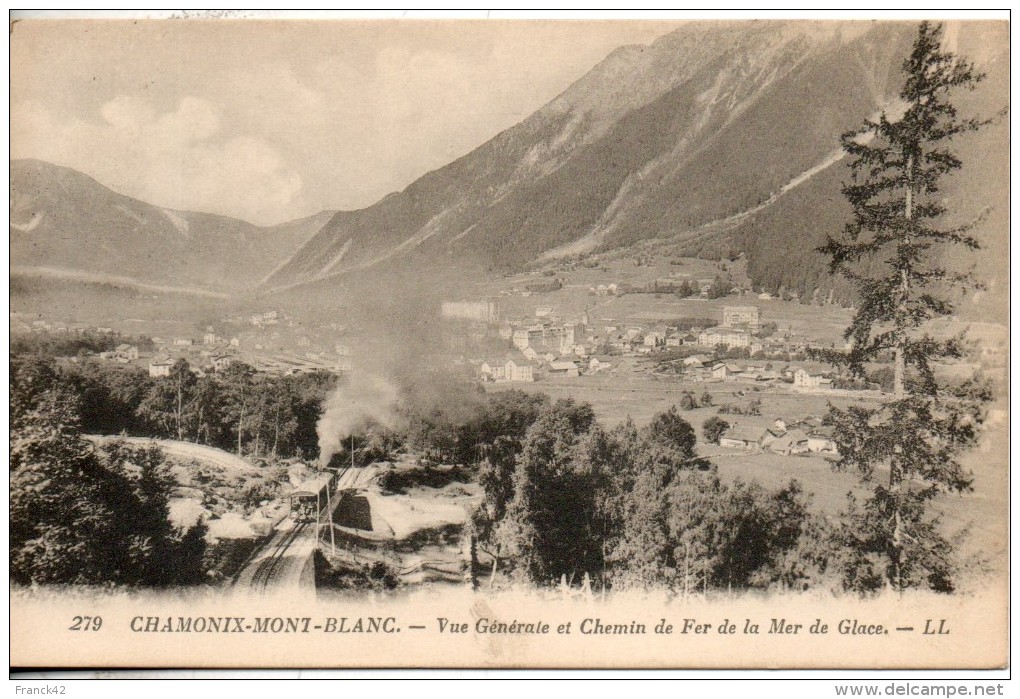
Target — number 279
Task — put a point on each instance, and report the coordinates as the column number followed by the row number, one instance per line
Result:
column 86, row 623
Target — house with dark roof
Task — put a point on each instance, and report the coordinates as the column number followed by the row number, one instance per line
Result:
column 771, row 434
column 742, row 437
column 696, row 361
column 564, row 368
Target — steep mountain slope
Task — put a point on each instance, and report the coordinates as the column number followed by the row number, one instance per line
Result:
column 725, row 135
column 64, row 220
column 705, row 122
column 978, row 193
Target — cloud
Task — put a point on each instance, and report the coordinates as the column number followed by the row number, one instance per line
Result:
column 297, row 115
column 280, row 86
column 180, row 159
column 194, row 120
column 126, row 113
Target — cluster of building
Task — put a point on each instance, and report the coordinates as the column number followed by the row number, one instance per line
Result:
column 699, row 368
column 516, row 366
column 211, row 338
column 803, row 436
column 545, row 337
column 636, row 340
column 214, row 353
column 702, row 287
column 268, row 318
column 220, row 358
column 741, row 328
column 215, row 359
column 737, row 330
column 517, row 369
column 123, row 353
column 547, row 347
column 276, row 344
column 29, row 323
column 542, row 346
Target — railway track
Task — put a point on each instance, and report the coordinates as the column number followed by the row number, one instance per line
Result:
column 271, row 567
column 281, row 561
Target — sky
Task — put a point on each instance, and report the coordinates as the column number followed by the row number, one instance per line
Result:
column 269, row 121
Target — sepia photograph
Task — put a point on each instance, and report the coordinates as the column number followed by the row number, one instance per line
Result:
column 512, row 343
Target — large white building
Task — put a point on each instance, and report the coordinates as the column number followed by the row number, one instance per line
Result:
column 513, row 369
column 714, row 337
column 519, row 371
column 526, row 337
column 544, row 338
column 477, row 311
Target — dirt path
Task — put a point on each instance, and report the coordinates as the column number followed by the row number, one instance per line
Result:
column 186, row 450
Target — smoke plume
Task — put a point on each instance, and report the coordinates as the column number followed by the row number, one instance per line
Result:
column 399, row 361
column 362, row 399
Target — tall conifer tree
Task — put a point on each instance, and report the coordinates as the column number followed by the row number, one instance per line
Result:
column 892, row 251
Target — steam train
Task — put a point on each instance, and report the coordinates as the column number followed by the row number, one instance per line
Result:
column 311, row 497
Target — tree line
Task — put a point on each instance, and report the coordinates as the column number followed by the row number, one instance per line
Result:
column 236, row 409
column 567, row 499
column 72, row 344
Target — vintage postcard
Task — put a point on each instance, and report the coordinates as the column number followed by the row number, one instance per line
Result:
column 343, row 343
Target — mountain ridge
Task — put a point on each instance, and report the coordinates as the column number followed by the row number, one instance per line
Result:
column 718, row 139
column 65, row 219
column 605, row 158
column 725, row 133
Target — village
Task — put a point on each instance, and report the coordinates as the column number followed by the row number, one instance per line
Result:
column 739, row 348
column 271, row 342
column 740, row 351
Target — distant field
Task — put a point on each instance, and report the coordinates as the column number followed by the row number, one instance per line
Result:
column 985, row 511
column 71, row 300
column 823, row 324
column 617, row 396
column 827, row 486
